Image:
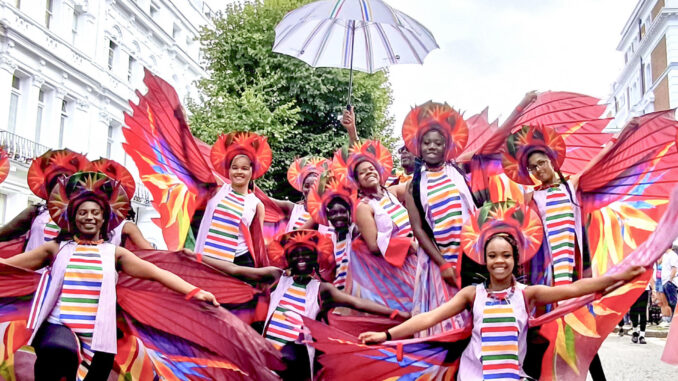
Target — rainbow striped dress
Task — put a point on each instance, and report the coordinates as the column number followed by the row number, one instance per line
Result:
column 560, row 232
column 445, row 208
column 222, row 237
column 499, row 338
column 79, row 299
column 285, row 323
column 397, row 213
column 341, row 259
column 298, row 217
column 51, row 230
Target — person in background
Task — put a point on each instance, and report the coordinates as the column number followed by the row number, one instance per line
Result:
column 670, row 278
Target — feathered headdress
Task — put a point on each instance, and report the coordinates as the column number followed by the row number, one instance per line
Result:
column 438, row 116
column 346, row 160
column 303, row 167
column 517, row 220
column 4, row 165
column 52, row 164
column 312, row 239
column 253, row 146
column 528, row 139
column 115, row 171
column 325, row 190
column 70, row 192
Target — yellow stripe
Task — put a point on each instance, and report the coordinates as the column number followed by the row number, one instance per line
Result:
column 293, row 291
column 86, row 249
column 498, row 310
column 226, row 228
column 556, row 210
column 73, row 276
column 561, row 238
column 219, row 254
column 499, row 348
column 86, row 309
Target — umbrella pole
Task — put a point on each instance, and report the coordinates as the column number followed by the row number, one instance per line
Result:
column 350, row 75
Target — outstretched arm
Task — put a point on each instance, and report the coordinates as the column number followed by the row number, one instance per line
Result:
column 462, row 300
column 19, row 224
column 132, row 232
column 267, row 274
column 547, row 295
column 332, row 297
column 34, row 259
column 138, row 268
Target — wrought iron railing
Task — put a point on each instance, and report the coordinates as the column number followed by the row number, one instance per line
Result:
column 19, row 148
column 142, row 195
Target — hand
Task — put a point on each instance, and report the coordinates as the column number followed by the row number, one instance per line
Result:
column 348, row 120
column 629, row 273
column 449, row 277
column 206, row 296
column 372, row 337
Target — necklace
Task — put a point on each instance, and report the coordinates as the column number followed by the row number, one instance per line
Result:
column 87, row 242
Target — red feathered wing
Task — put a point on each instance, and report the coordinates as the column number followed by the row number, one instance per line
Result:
column 171, row 163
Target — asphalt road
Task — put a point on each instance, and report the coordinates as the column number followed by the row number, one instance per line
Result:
column 622, row 360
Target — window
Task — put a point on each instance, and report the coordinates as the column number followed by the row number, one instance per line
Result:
column 130, row 68
column 14, row 99
column 48, row 12
column 3, row 204
column 38, row 117
column 63, row 122
column 153, row 10
column 112, row 49
column 109, row 141
column 175, row 31
column 74, row 26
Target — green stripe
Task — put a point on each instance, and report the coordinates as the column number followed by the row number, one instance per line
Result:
column 438, row 190
column 499, row 357
column 561, row 245
column 397, row 214
column 559, row 216
column 83, row 267
column 448, row 215
column 564, row 275
column 278, row 339
column 80, row 300
column 499, row 320
column 223, row 234
column 85, row 334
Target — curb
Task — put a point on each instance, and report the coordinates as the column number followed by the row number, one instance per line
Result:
column 651, row 332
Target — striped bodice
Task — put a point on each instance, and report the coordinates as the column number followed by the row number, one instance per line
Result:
column 499, row 339
column 51, row 230
column 397, row 213
column 560, row 231
column 445, row 207
column 303, row 218
column 222, row 238
column 341, row 258
column 285, row 323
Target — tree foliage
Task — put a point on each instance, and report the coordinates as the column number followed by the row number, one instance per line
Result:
column 251, row 88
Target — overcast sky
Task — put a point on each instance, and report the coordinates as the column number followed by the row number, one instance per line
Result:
column 494, row 51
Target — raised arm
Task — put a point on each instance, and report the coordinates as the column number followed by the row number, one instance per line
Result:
column 364, row 219
column 19, row 224
column 462, row 300
column 138, row 268
column 547, row 295
column 132, row 232
column 332, row 297
column 348, row 121
column 268, row 274
column 34, row 259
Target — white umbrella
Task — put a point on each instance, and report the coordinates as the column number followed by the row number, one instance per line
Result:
column 365, row 35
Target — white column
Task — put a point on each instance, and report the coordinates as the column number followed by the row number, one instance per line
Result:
column 7, row 68
column 27, row 128
column 50, row 133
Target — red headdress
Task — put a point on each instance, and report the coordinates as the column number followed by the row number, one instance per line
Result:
column 253, row 146
column 325, row 190
column 441, row 117
column 302, row 167
column 115, row 171
column 528, row 139
column 70, row 192
column 516, row 220
column 52, row 164
column 345, row 161
column 322, row 245
column 4, row 165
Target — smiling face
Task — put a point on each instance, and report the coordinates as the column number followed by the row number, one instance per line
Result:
column 367, row 174
column 89, row 218
column 302, row 260
column 240, row 171
column 540, row 166
column 433, row 148
column 308, row 184
column 338, row 214
column 499, row 258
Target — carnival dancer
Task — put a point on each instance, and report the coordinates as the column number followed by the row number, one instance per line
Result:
column 439, row 201
column 499, row 236
column 74, row 311
column 407, row 161
column 382, row 264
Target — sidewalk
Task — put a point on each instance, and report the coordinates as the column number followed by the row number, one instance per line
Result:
column 652, row 330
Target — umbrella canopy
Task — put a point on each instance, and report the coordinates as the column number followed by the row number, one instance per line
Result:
column 365, row 35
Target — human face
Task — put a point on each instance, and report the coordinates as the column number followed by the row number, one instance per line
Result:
column 339, row 216
column 302, row 260
column 89, row 218
column 240, row 171
column 540, row 167
column 368, row 177
column 433, row 147
column 308, row 184
column 406, row 160
column 499, row 259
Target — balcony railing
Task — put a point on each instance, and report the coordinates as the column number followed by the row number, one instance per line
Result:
column 142, row 195
column 19, row 148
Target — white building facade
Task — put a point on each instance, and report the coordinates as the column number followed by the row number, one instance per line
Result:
column 649, row 80
column 68, row 69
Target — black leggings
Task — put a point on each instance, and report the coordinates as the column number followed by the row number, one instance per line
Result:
column 56, row 350
column 639, row 309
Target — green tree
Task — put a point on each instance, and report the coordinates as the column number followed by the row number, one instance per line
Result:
column 249, row 87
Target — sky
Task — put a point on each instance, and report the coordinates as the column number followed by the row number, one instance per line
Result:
column 492, row 52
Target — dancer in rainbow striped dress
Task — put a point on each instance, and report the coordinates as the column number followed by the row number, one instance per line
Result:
column 500, row 237
column 439, row 201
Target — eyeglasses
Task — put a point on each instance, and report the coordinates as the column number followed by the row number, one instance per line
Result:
column 540, row 164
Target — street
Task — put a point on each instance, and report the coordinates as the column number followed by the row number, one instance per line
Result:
column 623, row 360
